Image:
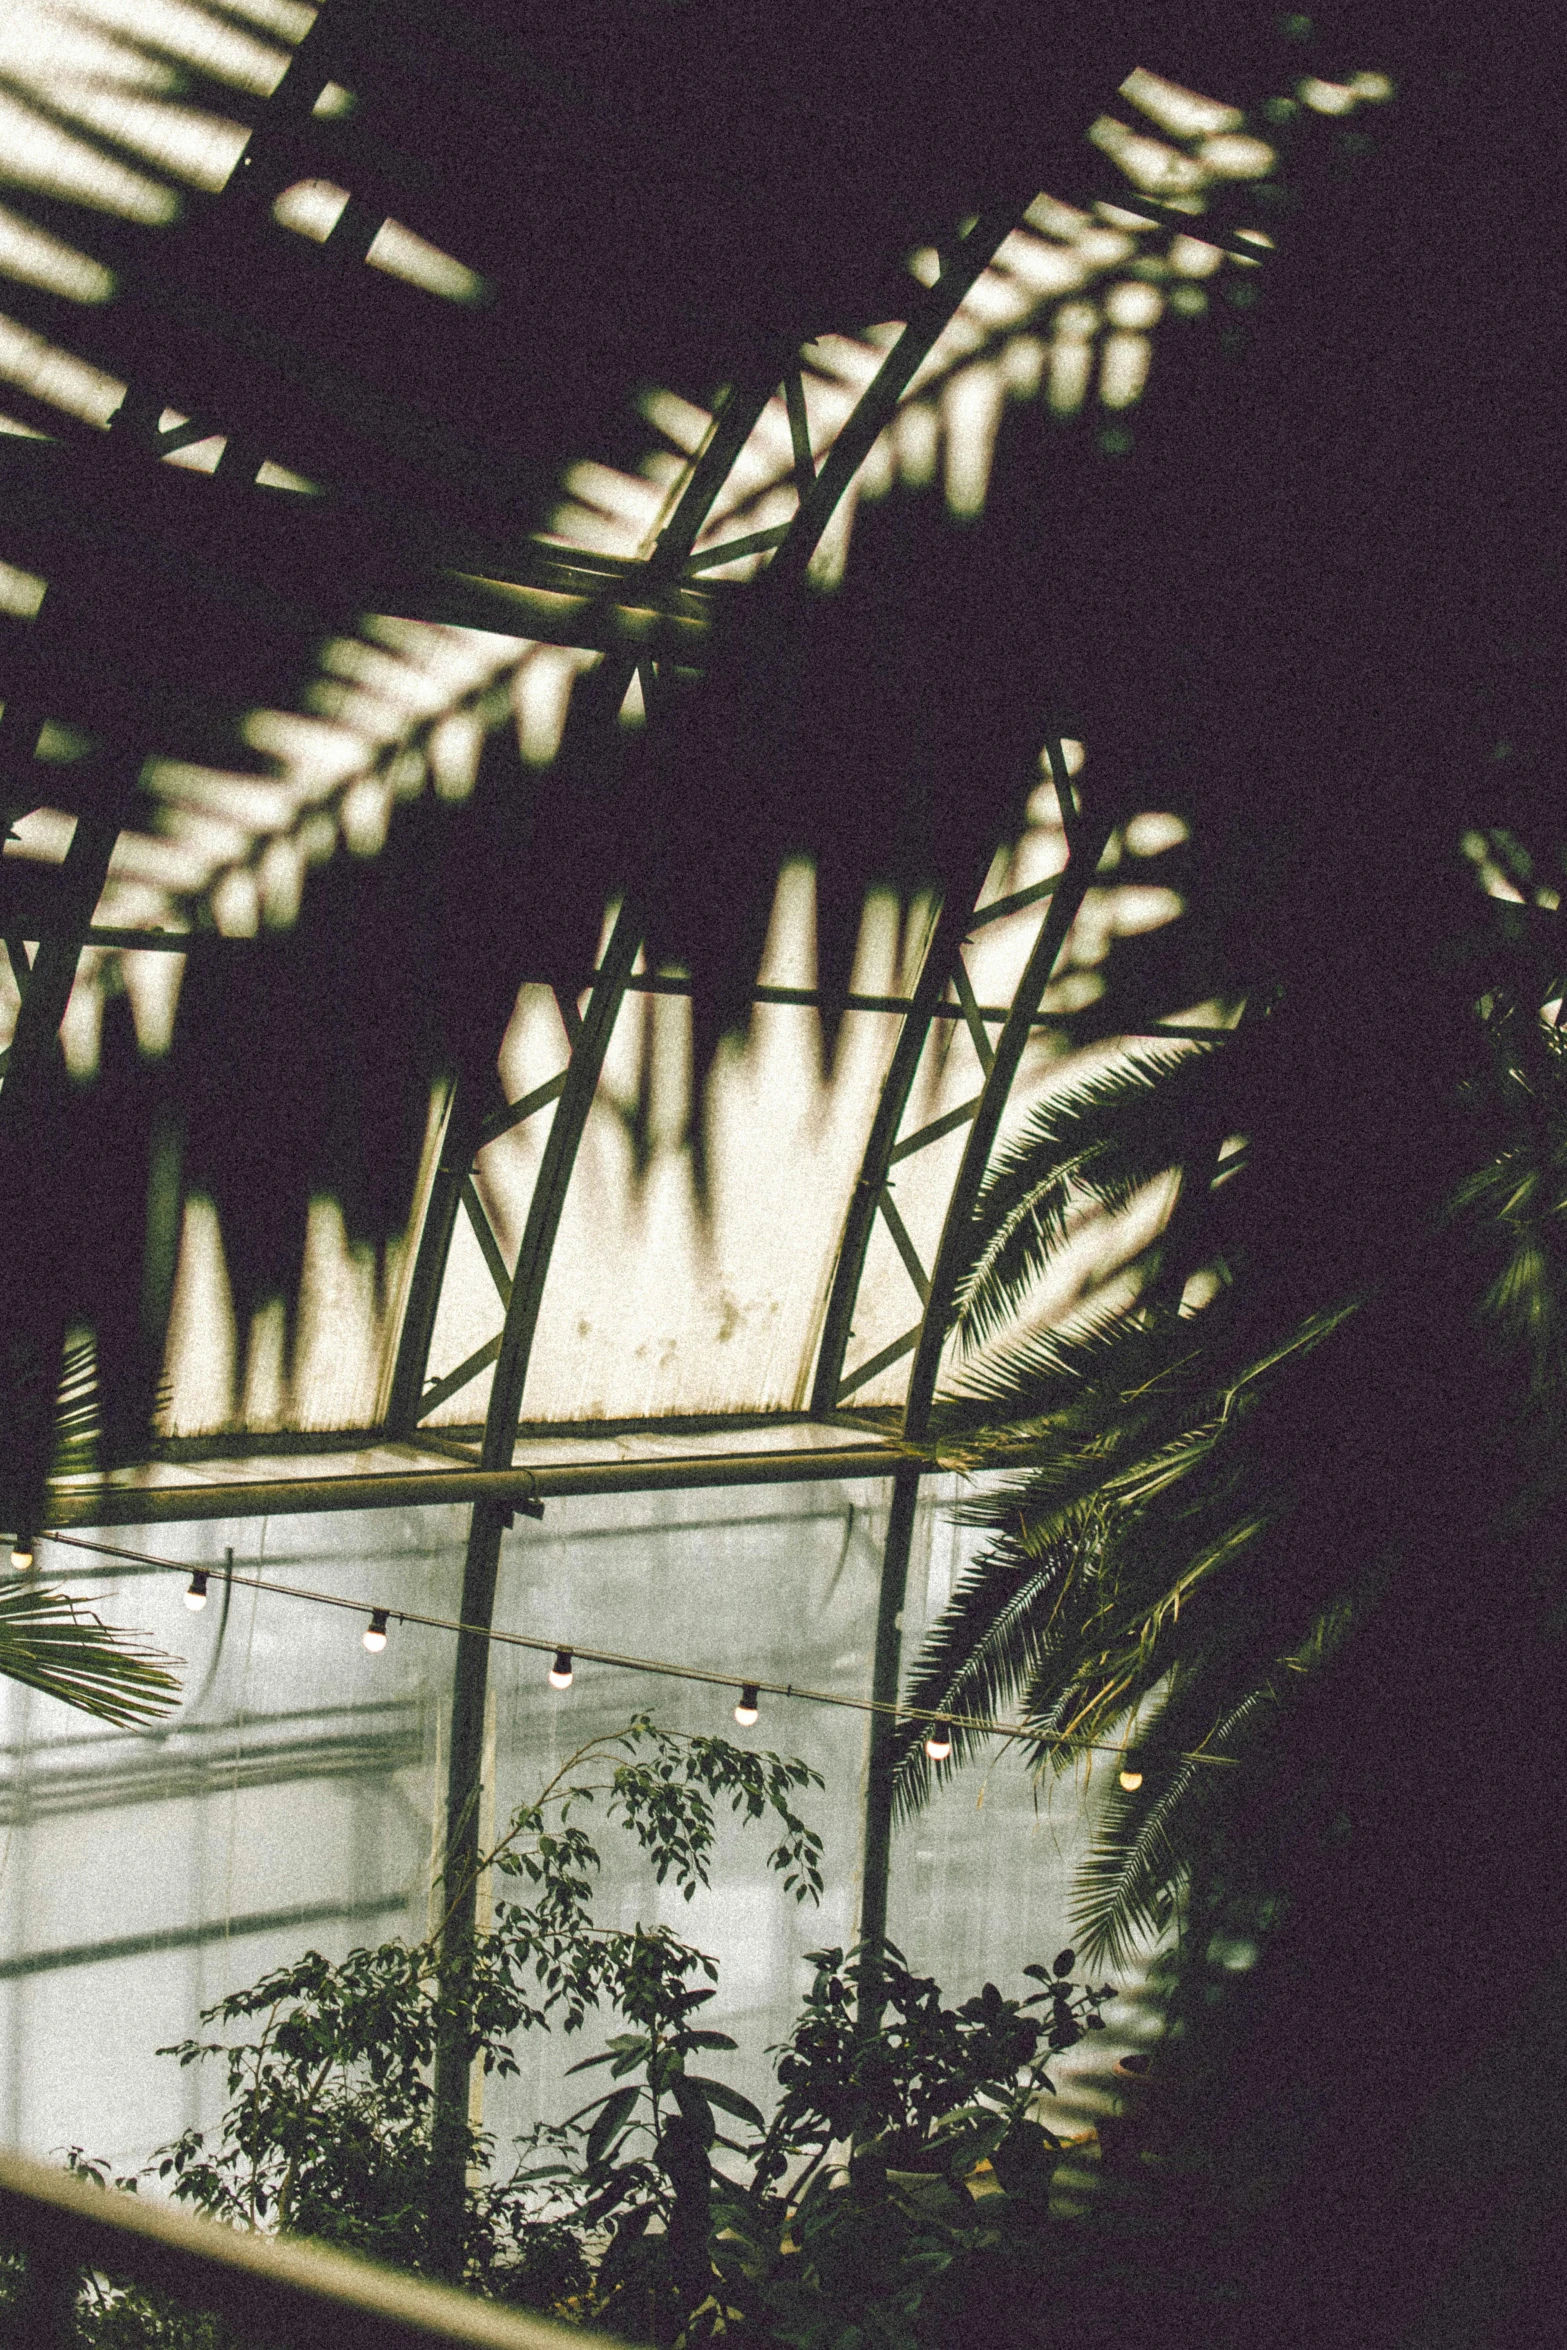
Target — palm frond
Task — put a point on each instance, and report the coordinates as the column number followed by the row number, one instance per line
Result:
column 76, row 1418
column 999, row 1633
column 1146, row 1840
column 1033, row 1378
column 1102, row 1141
column 1102, row 1364
column 51, row 1644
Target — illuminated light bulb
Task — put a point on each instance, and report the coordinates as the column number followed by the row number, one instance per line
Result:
column 938, row 1742
column 560, row 1670
column 375, row 1634
column 748, row 1709
column 196, row 1591
column 22, row 1553
column 1131, row 1780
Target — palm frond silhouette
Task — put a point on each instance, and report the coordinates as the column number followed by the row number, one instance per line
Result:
column 1215, row 1498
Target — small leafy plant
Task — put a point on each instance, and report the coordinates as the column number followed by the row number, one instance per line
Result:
column 905, row 2146
column 942, row 2157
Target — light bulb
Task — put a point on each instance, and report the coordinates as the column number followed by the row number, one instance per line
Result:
column 560, row 1670
column 1131, row 1780
column 375, row 1634
column 938, row 1742
column 196, row 1592
column 748, row 1709
column 22, row 1553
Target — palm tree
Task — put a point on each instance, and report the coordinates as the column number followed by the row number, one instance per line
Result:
column 1213, row 1480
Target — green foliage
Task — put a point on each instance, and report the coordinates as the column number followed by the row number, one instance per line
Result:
column 327, row 2129
column 52, row 1644
column 832, row 2259
column 1171, row 1564
column 667, row 2207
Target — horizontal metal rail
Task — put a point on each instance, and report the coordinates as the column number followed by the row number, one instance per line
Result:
column 307, row 2295
column 262, row 1497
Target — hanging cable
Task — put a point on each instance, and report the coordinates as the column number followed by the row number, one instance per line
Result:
column 751, row 1691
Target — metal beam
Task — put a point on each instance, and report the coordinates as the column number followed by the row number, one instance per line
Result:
column 308, row 2295
column 799, row 433
column 1087, row 837
column 1072, row 887
column 967, row 260
column 458, row 1142
column 45, row 984
column 197, row 1935
column 947, row 934
column 964, row 991
column 502, row 1489
column 904, row 1244
column 604, row 693
column 484, row 1234
column 468, row 1131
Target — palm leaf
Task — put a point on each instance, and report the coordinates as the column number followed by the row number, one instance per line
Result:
column 76, row 1420
column 1145, row 1844
column 999, row 1632
column 1149, row 1840
column 1102, row 1141
column 52, row 1645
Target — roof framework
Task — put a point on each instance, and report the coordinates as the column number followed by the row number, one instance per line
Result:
column 634, row 626
column 615, row 610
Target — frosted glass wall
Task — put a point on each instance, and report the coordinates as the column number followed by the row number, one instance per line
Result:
column 292, row 1803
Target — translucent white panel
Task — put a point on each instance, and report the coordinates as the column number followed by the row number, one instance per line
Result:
column 950, row 1074
column 287, row 1805
column 650, row 1311
column 658, row 1303
column 654, row 1306
column 293, row 1802
column 344, row 1335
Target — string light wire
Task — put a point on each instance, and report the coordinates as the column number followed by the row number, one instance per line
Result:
column 979, row 1724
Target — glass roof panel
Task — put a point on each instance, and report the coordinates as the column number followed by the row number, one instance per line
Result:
column 658, row 1302
column 661, row 1298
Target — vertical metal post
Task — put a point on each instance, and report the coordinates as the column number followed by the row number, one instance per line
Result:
column 819, row 500
column 459, row 1893
column 450, row 2107
column 1087, row 843
column 886, row 1668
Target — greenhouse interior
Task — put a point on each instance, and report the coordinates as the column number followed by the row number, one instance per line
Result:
column 783, row 1156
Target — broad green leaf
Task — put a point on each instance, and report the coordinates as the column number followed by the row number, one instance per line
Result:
column 693, row 2104
column 616, row 2112
column 731, row 2101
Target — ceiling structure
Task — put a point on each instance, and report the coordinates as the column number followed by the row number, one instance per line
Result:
column 619, row 643
column 785, row 1273
column 685, row 839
